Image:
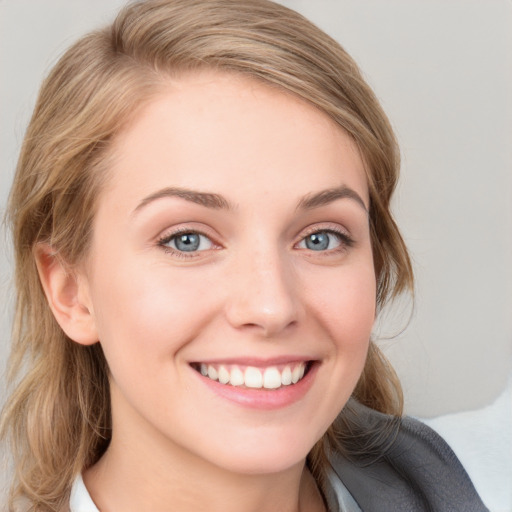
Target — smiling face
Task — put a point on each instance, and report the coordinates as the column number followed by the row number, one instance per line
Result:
column 230, row 277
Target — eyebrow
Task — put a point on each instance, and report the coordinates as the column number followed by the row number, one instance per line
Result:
column 325, row 197
column 218, row 202
column 207, row 199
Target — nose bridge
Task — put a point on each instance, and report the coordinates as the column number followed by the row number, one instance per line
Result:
column 262, row 294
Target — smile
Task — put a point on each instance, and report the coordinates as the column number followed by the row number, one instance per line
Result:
column 271, row 377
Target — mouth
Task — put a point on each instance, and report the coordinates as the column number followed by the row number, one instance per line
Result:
column 272, row 377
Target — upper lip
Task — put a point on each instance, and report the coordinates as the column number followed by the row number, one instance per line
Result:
column 257, row 362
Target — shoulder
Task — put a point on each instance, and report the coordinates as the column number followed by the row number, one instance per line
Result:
column 402, row 465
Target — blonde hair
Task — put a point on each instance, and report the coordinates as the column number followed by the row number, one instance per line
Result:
column 57, row 418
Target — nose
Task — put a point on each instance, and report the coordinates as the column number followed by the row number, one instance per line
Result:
column 262, row 294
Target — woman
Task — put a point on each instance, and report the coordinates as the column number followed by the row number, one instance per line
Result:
column 203, row 238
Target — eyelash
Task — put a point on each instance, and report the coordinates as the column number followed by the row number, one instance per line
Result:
column 346, row 242
column 165, row 239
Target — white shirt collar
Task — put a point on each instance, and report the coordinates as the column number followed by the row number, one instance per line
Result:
column 80, row 499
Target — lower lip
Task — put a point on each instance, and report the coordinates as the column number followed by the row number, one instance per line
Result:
column 267, row 399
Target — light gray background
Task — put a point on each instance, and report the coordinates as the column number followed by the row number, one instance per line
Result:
column 443, row 71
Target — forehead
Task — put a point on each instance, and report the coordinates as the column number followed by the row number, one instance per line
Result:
column 209, row 129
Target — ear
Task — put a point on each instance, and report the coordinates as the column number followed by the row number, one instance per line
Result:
column 68, row 296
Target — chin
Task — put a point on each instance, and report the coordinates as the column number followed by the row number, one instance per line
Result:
column 252, row 458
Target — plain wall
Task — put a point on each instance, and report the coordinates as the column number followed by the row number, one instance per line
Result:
column 443, row 72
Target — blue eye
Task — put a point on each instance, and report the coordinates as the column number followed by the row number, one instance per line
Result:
column 323, row 241
column 187, row 242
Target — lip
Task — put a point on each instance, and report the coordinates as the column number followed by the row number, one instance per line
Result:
column 258, row 362
column 263, row 399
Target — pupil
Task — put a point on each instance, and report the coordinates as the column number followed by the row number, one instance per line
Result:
column 187, row 242
column 317, row 241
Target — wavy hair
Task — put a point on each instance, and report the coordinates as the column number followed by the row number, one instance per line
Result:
column 57, row 419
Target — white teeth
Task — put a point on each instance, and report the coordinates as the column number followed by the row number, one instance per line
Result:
column 223, row 375
column 212, row 373
column 295, row 374
column 252, row 377
column 272, row 378
column 286, row 376
column 237, row 377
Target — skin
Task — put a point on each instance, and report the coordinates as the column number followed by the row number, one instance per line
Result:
column 254, row 290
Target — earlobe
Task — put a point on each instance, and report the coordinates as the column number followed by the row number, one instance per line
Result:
column 67, row 295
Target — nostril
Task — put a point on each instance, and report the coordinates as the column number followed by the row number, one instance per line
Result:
column 268, row 322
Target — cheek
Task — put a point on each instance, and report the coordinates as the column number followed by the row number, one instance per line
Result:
column 148, row 311
column 344, row 310
column 346, row 304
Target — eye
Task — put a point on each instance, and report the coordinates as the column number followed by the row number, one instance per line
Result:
column 189, row 241
column 325, row 240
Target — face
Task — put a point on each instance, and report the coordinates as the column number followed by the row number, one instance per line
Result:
column 230, row 276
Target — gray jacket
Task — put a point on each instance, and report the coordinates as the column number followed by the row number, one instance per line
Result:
column 402, row 466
